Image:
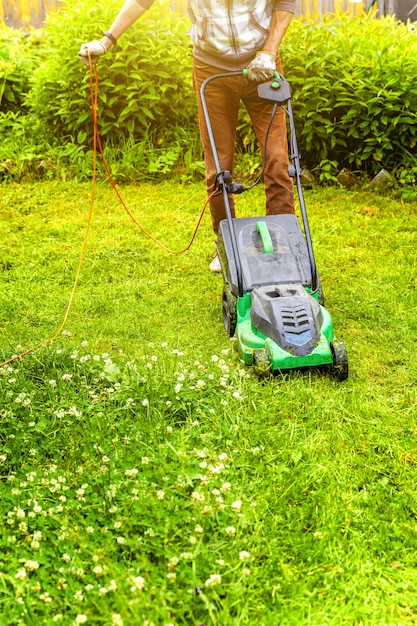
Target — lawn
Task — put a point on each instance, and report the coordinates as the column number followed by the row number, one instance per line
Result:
column 147, row 476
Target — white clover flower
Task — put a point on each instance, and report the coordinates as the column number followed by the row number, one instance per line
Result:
column 80, row 619
column 200, row 384
column 131, row 473
column 145, row 460
column 98, row 570
column 21, row 574
column 246, row 571
column 237, row 505
column 102, row 591
column 178, row 388
column 171, row 576
column 223, row 456
column 216, row 469
column 173, row 562
column 78, row 595
column 244, row 556
column 121, row 541
column 138, row 583
column 145, row 402
column 225, row 488
column 45, row 597
column 20, row 513
column 66, row 377
column 116, row 619
column 52, row 383
column 160, row 494
column 198, row 497
column 213, row 581
column 198, row 529
column 31, row 565
column 230, row 531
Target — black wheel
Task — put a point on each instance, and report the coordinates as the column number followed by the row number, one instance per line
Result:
column 320, row 295
column 261, row 363
column 229, row 311
column 340, row 367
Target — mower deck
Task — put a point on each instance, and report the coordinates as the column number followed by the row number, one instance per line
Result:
column 278, row 321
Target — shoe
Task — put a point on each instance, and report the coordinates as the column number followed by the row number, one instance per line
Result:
column 215, row 265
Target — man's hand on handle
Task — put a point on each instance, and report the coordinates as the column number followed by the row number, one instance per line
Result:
column 262, row 67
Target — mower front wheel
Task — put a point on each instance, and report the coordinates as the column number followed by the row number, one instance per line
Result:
column 229, row 302
column 261, row 363
column 340, row 367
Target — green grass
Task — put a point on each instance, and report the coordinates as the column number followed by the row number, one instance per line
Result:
column 148, row 477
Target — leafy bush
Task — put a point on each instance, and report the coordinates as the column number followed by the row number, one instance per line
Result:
column 145, row 82
column 354, row 91
column 18, row 55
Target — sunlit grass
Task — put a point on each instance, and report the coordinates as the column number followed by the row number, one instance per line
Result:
column 148, row 478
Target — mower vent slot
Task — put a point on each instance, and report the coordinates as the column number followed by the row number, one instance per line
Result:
column 295, row 320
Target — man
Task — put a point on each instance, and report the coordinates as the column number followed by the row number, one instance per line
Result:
column 230, row 35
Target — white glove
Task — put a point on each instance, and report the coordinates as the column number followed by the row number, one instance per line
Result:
column 262, row 67
column 94, row 48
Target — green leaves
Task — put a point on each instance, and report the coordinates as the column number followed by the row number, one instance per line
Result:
column 353, row 91
column 144, row 83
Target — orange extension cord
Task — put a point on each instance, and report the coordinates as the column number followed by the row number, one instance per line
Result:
column 97, row 144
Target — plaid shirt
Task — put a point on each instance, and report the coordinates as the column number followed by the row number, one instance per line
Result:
column 228, row 33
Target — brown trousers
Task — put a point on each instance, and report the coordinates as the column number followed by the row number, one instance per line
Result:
column 223, row 97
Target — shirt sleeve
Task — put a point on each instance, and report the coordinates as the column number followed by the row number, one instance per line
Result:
column 279, row 5
column 145, row 3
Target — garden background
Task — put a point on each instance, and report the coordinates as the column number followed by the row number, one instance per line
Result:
column 147, row 476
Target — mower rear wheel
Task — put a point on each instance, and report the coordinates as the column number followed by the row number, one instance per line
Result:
column 229, row 303
column 340, row 367
column 261, row 363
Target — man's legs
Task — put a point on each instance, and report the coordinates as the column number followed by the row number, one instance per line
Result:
column 223, row 99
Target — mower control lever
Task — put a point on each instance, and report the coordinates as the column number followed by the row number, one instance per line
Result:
column 224, row 179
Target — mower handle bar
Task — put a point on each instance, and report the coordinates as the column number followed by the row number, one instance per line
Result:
column 268, row 94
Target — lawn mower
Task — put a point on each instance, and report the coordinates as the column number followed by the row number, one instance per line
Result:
column 273, row 303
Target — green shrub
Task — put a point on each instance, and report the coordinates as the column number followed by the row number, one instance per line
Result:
column 144, row 83
column 354, row 92
column 353, row 85
column 19, row 54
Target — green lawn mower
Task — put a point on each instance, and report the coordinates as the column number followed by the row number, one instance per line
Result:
column 273, row 303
